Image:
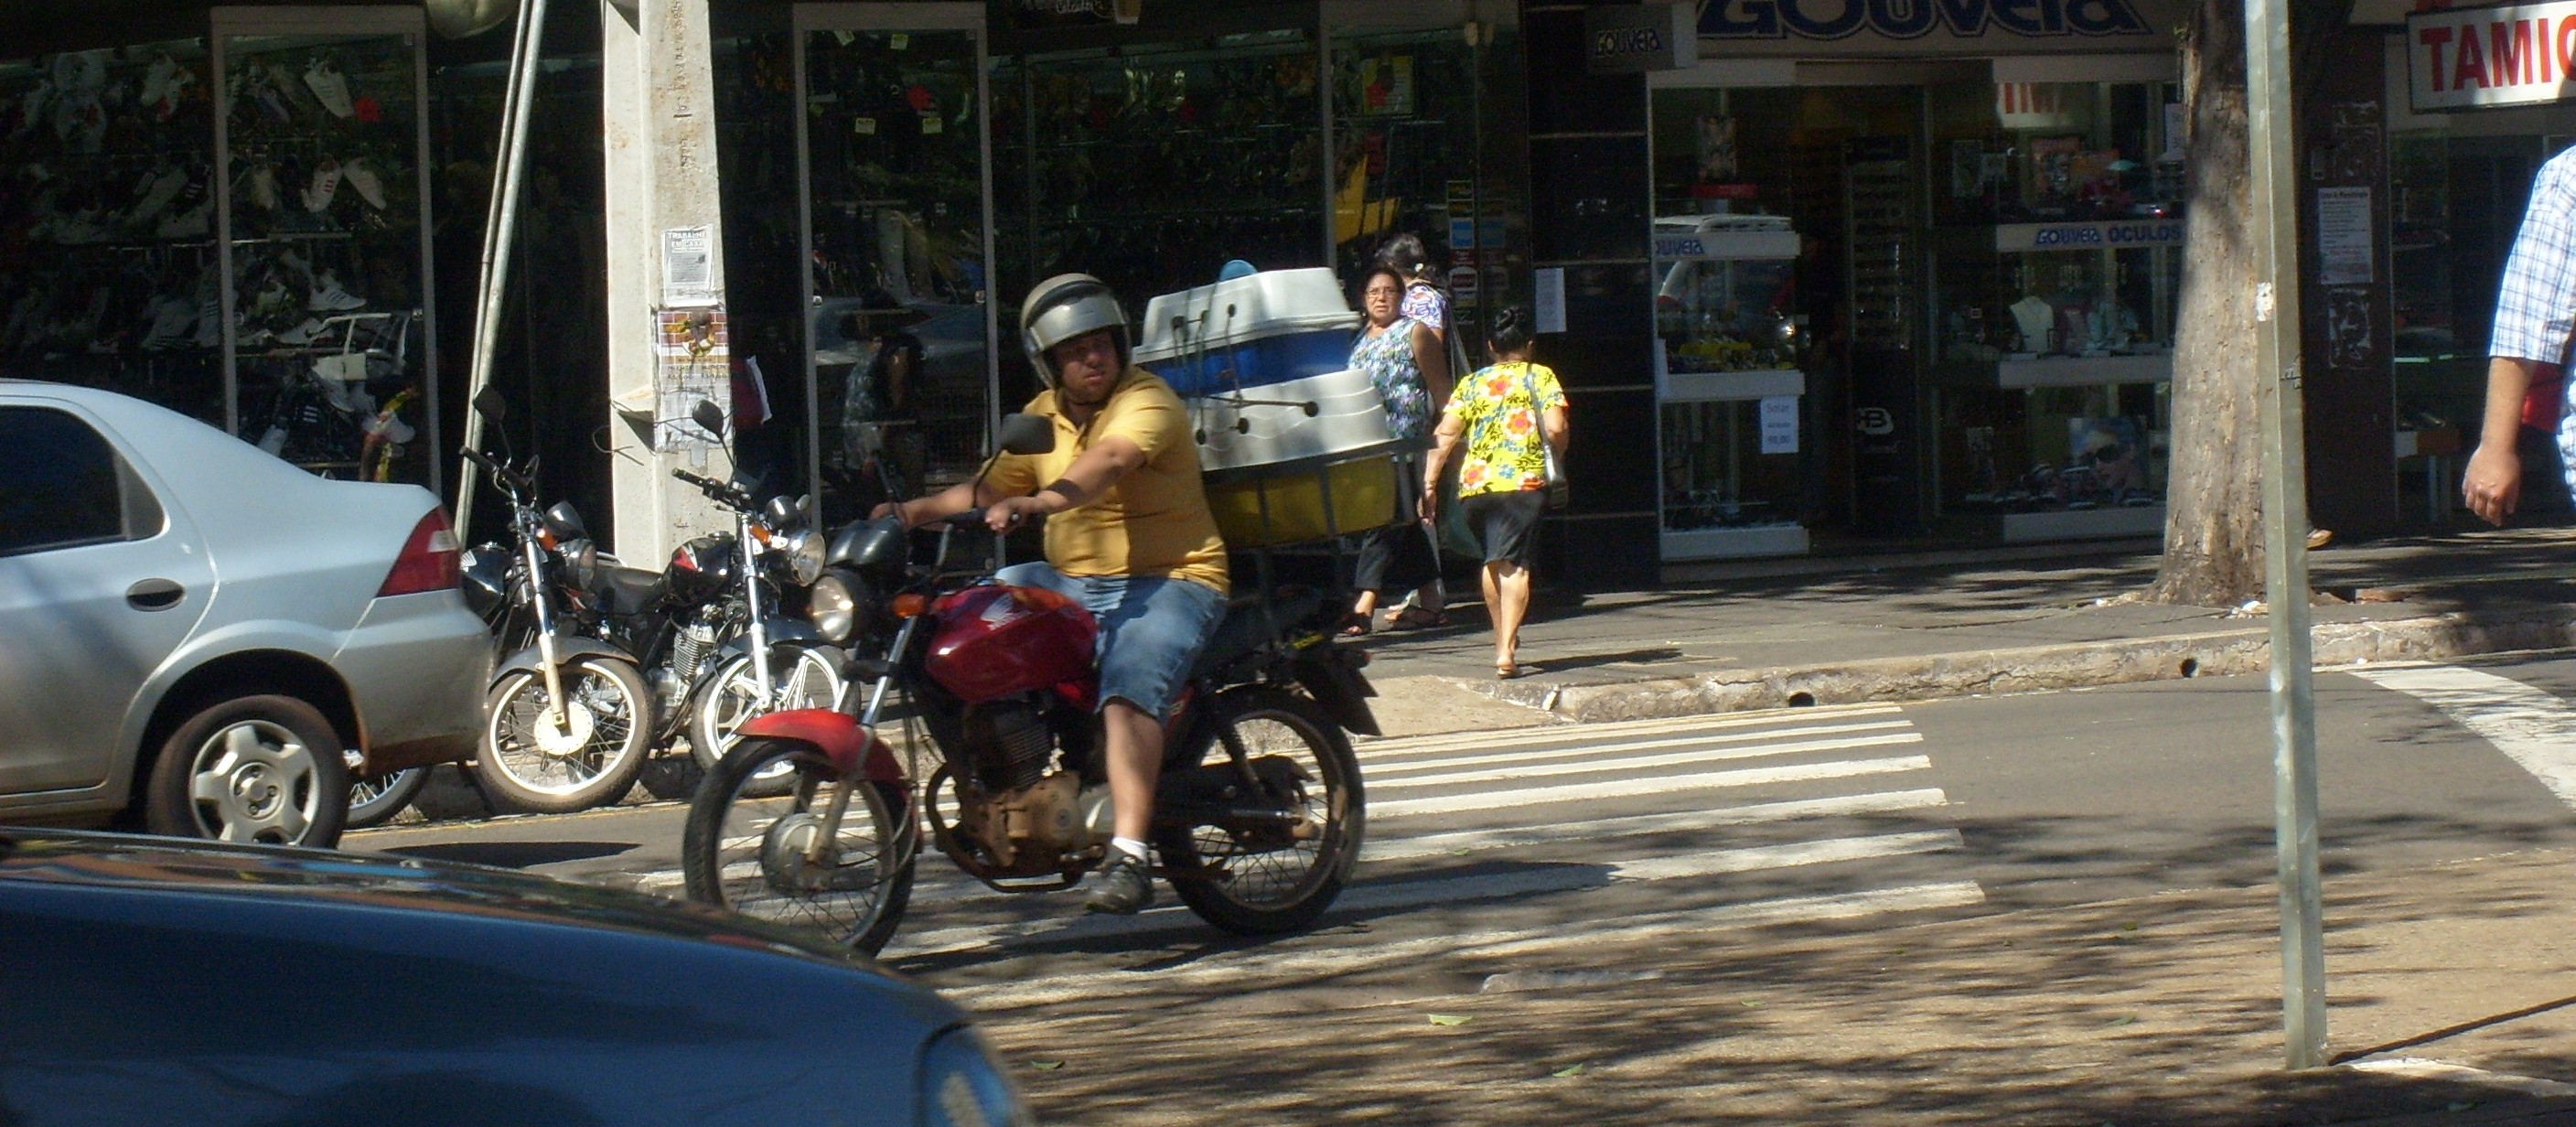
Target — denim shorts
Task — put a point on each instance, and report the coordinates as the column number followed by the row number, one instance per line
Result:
column 1151, row 629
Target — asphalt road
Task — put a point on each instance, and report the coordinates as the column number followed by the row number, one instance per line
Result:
column 1583, row 850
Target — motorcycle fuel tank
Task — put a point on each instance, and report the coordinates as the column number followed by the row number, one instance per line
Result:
column 994, row 641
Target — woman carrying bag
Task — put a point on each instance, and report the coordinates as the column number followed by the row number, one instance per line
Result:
column 1404, row 361
column 1512, row 418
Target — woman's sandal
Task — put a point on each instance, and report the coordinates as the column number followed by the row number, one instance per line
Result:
column 1356, row 625
column 1416, row 618
column 1505, row 670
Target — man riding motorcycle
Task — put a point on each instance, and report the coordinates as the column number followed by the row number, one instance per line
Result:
column 1131, row 539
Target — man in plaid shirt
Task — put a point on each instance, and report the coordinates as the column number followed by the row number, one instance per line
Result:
column 2535, row 320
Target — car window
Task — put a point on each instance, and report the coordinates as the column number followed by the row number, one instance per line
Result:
column 61, row 484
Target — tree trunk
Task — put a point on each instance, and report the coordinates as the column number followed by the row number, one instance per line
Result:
column 2213, row 497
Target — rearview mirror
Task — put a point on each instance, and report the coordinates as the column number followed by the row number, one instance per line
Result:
column 1027, row 434
column 709, row 416
column 489, row 404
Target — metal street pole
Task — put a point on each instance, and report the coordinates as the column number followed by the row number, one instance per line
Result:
column 2273, row 227
column 500, row 225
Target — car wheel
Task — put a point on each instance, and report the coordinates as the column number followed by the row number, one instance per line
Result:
column 252, row 769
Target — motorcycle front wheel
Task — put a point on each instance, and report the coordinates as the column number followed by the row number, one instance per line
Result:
column 753, row 852
column 811, row 678
column 589, row 757
column 1262, row 880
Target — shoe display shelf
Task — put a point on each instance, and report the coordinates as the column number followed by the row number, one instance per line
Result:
column 324, row 242
column 109, row 276
column 893, row 145
column 1155, row 165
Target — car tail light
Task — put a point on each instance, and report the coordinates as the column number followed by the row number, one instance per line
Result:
column 428, row 561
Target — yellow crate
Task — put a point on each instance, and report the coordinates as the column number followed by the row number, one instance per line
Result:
column 1362, row 491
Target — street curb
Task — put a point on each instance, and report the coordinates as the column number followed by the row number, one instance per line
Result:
column 2040, row 668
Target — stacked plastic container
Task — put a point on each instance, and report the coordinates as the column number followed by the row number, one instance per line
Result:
column 1294, row 443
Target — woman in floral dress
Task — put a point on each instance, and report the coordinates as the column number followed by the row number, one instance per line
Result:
column 1404, row 360
column 1509, row 415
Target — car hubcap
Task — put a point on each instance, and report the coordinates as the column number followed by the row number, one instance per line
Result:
column 254, row 782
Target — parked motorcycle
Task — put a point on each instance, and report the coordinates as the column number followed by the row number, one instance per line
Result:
column 1258, row 815
column 569, row 719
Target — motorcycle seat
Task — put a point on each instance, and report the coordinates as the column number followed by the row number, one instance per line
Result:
column 1249, row 621
column 631, row 589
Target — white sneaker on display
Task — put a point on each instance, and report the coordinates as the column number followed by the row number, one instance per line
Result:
column 302, row 334
column 330, row 297
column 194, row 223
column 326, row 184
column 158, row 193
column 371, row 187
column 263, row 186
column 391, row 428
column 330, row 87
column 156, row 80
column 171, row 321
column 33, row 109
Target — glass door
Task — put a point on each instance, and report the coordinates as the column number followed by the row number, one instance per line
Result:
column 325, row 245
column 899, row 320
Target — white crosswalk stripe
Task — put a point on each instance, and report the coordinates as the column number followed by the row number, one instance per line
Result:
column 1346, row 960
column 1575, row 811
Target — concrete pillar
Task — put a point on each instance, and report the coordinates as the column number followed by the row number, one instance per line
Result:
column 659, row 118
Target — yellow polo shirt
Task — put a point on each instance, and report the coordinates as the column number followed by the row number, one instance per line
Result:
column 1155, row 520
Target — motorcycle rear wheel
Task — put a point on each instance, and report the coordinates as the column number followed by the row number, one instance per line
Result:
column 744, row 850
column 375, row 799
column 1255, row 888
column 616, row 732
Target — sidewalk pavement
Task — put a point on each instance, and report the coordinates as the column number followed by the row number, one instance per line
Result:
column 2448, row 1003
column 1921, row 632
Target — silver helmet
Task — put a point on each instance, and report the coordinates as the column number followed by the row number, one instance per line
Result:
column 1062, row 308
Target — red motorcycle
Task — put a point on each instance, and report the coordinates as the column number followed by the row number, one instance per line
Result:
column 813, row 819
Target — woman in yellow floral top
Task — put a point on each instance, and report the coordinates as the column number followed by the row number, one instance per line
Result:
column 1504, row 412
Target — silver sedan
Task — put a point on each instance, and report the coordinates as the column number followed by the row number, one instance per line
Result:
column 199, row 639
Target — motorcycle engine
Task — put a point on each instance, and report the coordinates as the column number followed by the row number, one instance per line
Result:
column 1026, row 818
column 1009, row 743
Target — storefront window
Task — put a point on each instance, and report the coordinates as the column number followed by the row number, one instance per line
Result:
column 1404, row 143
column 1153, row 166
column 2056, row 269
column 327, row 248
column 108, row 271
column 894, row 157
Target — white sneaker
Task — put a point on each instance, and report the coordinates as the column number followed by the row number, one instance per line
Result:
column 330, row 297
column 371, row 187
column 156, row 80
column 391, row 428
column 263, row 186
column 171, row 321
column 328, row 85
column 195, row 223
column 326, row 183
column 210, row 324
column 158, row 193
column 302, row 334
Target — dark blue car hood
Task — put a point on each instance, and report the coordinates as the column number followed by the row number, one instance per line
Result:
column 177, row 982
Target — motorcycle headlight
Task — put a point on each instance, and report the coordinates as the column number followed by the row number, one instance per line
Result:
column 962, row 1085
column 804, row 551
column 832, row 604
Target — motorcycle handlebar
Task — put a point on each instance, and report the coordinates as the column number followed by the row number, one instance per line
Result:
column 499, row 472
column 717, row 491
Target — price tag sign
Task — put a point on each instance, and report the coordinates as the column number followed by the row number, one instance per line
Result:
column 1779, row 424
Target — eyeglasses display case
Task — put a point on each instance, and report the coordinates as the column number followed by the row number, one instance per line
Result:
column 1731, row 338
column 2055, row 267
